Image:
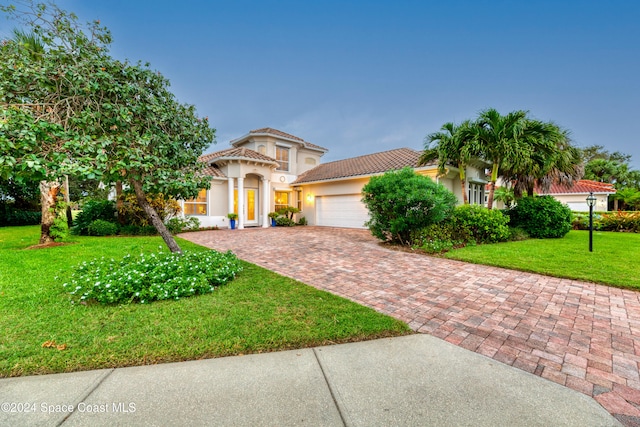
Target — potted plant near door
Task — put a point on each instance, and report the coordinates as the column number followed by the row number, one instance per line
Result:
column 232, row 220
column 273, row 216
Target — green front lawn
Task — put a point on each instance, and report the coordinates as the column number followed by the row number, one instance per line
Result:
column 259, row 311
column 614, row 260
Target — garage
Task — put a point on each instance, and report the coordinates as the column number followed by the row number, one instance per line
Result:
column 341, row 211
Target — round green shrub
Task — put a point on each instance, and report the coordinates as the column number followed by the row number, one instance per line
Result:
column 402, row 201
column 178, row 224
column 541, row 217
column 100, row 227
column 480, row 224
column 91, row 211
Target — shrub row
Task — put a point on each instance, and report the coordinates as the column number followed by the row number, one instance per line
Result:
column 468, row 225
column 98, row 218
column 611, row 221
column 11, row 217
column 538, row 217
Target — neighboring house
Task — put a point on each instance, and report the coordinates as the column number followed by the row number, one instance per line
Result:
column 272, row 169
column 575, row 196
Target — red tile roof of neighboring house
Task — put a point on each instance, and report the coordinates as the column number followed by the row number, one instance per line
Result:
column 236, row 153
column 363, row 165
column 583, row 186
column 276, row 132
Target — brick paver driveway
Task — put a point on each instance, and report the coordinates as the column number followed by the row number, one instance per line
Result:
column 577, row 334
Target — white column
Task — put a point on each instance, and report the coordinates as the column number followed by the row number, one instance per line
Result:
column 266, row 191
column 230, row 197
column 240, row 203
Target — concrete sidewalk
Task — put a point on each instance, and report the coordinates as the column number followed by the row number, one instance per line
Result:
column 416, row 380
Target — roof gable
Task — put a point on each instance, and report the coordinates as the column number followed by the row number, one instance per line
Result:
column 279, row 134
column 370, row 164
column 236, row 153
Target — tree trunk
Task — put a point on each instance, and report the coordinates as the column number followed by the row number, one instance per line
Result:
column 48, row 194
column 492, row 185
column 119, row 202
column 463, row 185
column 67, row 200
column 492, row 189
column 154, row 217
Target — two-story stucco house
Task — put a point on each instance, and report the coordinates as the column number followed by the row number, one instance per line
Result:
column 267, row 169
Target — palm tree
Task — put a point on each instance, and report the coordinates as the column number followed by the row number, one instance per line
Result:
column 629, row 196
column 500, row 140
column 30, row 41
column 452, row 145
column 546, row 157
column 504, row 195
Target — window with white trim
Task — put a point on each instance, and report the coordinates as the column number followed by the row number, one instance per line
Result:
column 282, row 157
column 198, row 205
column 476, row 193
column 282, row 200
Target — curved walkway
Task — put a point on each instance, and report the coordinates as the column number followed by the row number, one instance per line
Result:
column 580, row 335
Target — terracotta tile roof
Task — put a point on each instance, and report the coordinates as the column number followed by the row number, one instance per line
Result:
column 213, row 171
column 363, row 165
column 276, row 132
column 236, row 153
column 583, row 186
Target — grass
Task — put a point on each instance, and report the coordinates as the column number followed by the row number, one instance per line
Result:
column 614, row 260
column 259, row 311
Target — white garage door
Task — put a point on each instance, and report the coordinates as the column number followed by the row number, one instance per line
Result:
column 578, row 206
column 341, row 211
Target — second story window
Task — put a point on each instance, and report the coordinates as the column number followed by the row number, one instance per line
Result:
column 282, row 157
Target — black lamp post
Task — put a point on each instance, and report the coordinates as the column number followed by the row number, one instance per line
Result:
column 591, row 201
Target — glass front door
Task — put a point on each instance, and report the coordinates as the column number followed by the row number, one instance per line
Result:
column 250, row 205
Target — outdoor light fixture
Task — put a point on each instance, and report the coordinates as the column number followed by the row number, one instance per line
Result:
column 591, row 201
column 309, row 197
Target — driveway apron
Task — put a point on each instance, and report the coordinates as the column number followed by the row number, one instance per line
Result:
column 578, row 334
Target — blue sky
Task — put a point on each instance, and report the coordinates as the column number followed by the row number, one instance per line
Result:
column 363, row 76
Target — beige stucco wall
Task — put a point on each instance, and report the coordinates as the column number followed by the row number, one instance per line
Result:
column 298, row 154
column 602, row 204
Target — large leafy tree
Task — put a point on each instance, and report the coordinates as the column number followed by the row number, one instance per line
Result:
column 613, row 168
column 76, row 110
column 452, row 145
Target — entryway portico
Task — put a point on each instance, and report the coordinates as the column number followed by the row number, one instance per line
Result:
column 248, row 196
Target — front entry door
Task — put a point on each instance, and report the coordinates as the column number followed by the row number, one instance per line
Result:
column 250, row 206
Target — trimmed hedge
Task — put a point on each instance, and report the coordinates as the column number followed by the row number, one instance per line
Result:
column 11, row 217
column 541, row 217
column 100, row 227
column 468, row 225
column 481, row 224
